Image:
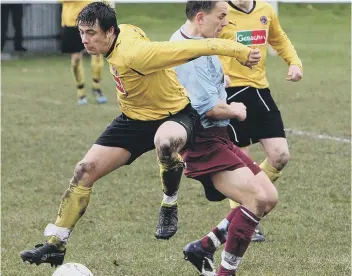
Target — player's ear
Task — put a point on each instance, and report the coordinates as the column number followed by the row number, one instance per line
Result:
column 110, row 32
column 200, row 18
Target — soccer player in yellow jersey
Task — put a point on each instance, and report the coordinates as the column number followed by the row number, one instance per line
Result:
column 156, row 113
column 255, row 24
column 72, row 44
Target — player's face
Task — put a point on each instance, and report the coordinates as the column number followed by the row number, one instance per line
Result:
column 211, row 24
column 95, row 40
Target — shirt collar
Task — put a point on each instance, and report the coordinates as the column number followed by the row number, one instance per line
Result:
column 186, row 36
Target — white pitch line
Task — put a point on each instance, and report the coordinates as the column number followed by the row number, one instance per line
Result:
column 317, row 136
column 288, row 130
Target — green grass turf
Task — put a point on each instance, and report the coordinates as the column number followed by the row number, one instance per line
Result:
column 44, row 134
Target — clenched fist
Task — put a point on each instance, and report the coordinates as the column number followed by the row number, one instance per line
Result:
column 253, row 57
column 239, row 110
column 295, row 73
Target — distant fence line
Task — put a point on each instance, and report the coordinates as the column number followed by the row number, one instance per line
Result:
column 41, row 27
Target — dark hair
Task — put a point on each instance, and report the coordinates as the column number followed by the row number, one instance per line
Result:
column 101, row 11
column 193, row 7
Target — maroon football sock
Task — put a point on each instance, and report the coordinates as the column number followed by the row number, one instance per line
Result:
column 240, row 232
column 217, row 236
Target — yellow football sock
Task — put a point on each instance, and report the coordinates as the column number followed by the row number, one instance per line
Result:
column 55, row 240
column 168, row 204
column 270, row 171
column 170, row 174
column 73, row 205
column 78, row 76
column 233, row 204
column 97, row 65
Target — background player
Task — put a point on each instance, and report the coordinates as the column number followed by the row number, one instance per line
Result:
column 72, row 44
column 255, row 24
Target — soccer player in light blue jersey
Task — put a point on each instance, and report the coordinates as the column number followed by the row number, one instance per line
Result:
column 223, row 169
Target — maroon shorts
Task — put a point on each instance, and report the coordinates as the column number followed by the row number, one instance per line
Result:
column 212, row 152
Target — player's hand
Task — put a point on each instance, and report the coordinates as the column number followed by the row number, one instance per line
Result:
column 295, row 73
column 239, row 110
column 253, row 58
column 227, row 80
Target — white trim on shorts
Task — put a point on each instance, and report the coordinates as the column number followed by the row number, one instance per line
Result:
column 263, row 100
column 238, row 92
column 234, row 132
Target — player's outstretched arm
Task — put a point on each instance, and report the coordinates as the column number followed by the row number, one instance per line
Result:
column 281, row 43
column 148, row 57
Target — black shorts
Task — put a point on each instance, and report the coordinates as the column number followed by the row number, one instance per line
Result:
column 263, row 116
column 138, row 136
column 71, row 40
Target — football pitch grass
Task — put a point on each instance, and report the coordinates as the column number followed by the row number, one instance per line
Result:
column 44, row 134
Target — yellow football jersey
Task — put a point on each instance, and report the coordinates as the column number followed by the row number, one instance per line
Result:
column 147, row 86
column 70, row 11
column 256, row 29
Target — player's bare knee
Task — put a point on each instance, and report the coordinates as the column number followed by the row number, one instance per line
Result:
column 167, row 148
column 83, row 170
column 163, row 148
column 279, row 159
column 270, row 205
column 272, row 200
column 261, row 201
column 259, row 197
column 255, row 198
column 282, row 160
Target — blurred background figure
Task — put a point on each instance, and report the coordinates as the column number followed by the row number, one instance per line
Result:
column 72, row 44
column 16, row 11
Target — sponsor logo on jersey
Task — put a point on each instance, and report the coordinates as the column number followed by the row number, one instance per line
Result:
column 253, row 37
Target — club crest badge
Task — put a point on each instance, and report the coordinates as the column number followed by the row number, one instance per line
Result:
column 114, row 71
column 264, row 20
